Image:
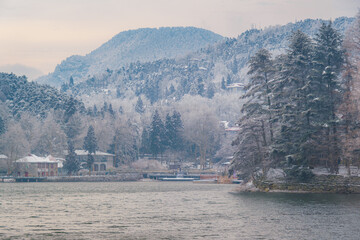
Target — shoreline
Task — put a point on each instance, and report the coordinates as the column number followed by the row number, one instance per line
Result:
column 319, row 184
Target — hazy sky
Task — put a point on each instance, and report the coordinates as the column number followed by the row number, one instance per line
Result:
column 42, row 33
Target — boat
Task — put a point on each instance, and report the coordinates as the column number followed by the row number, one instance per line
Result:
column 206, row 181
column 237, row 181
column 179, row 178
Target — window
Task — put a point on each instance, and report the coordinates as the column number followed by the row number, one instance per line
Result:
column 102, row 167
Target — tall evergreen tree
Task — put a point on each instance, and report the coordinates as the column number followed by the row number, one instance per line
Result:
column 292, row 107
column 90, row 145
column 71, row 164
column 228, row 80
column 2, row 126
column 95, row 111
column 111, row 111
column 70, row 109
column 210, row 92
column 177, row 142
column 223, row 85
column 145, row 142
column 139, row 107
column 71, row 82
column 328, row 61
column 235, row 66
column 259, row 89
column 157, row 135
column 171, row 89
column 169, row 131
column 200, row 87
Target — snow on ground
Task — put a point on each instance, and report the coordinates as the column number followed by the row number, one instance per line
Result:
column 343, row 171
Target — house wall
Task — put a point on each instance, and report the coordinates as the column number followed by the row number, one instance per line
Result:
column 101, row 163
column 36, row 169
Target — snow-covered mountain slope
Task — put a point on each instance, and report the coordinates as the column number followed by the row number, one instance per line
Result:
column 201, row 72
column 143, row 45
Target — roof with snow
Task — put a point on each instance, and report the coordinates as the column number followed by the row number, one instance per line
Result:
column 32, row 158
column 235, row 85
column 232, row 129
column 3, row 156
column 98, row 153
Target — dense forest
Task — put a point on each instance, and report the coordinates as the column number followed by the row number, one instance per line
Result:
column 39, row 119
column 301, row 107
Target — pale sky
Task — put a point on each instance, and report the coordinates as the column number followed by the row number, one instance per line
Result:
column 41, row 33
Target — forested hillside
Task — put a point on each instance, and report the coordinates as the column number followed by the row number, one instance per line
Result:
column 21, row 96
column 205, row 72
column 141, row 45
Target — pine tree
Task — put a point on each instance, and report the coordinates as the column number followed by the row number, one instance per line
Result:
column 228, row 80
column 328, row 61
column 145, row 142
column 118, row 92
column 95, row 111
column 292, row 107
column 139, row 107
column 210, row 93
column 169, row 132
column 171, row 89
column 121, row 110
column 105, row 108
column 2, row 126
column 114, row 148
column 157, row 133
column 234, row 66
column 111, row 111
column 200, row 87
column 71, row 164
column 71, row 82
column 259, row 89
column 223, row 85
column 350, row 138
column 90, row 145
column 177, row 142
column 70, row 109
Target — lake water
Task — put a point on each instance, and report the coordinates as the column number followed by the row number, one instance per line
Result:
column 171, row 210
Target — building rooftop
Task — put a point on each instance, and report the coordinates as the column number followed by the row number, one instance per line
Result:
column 235, row 85
column 32, row 158
column 3, row 156
column 98, row 153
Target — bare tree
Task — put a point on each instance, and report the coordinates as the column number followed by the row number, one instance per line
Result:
column 14, row 144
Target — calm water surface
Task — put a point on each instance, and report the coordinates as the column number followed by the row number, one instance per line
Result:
column 166, row 210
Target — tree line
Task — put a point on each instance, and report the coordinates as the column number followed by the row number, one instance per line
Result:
column 298, row 112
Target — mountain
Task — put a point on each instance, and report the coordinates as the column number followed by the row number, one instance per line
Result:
column 201, row 72
column 143, row 45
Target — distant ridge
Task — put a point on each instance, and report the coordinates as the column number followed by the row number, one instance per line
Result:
column 145, row 44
